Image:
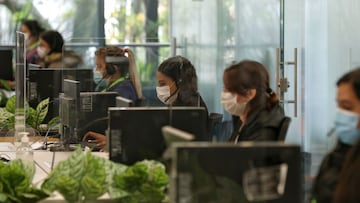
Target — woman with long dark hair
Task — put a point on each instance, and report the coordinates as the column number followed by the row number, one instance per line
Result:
column 257, row 115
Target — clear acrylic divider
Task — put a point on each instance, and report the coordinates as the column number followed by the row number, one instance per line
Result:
column 87, row 112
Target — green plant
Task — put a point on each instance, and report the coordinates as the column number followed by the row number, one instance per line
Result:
column 34, row 117
column 144, row 181
column 5, row 87
column 80, row 177
column 86, row 177
column 16, row 183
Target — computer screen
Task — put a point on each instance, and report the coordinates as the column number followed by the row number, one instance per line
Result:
column 69, row 112
column 123, row 102
column 48, row 83
column 135, row 132
column 6, row 64
column 245, row 172
column 81, row 112
column 93, row 112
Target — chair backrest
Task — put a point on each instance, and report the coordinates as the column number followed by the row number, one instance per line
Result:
column 284, row 126
column 215, row 120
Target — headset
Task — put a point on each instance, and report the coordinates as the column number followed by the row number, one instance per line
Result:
column 110, row 69
column 111, row 61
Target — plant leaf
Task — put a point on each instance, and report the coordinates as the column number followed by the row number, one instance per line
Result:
column 41, row 111
column 10, row 104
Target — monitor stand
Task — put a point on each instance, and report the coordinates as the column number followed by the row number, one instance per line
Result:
column 68, row 140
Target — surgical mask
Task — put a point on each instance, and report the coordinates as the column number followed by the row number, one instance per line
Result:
column 42, row 52
column 228, row 100
column 27, row 36
column 163, row 93
column 97, row 76
column 346, row 123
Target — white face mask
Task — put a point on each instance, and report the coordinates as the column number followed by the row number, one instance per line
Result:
column 163, row 93
column 42, row 52
column 27, row 36
column 97, row 76
column 228, row 100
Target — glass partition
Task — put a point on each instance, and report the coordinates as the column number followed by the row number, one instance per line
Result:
column 78, row 63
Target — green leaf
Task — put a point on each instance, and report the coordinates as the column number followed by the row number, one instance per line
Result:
column 3, row 197
column 144, row 181
column 10, row 104
column 42, row 110
column 68, row 188
column 92, row 189
column 5, row 84
column 15, row 183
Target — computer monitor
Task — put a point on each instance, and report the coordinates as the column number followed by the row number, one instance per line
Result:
column 123, row 102
column 48, row 83
column 93, row 112
column 81, row 112
column 135, row 132
column 69, row 112
column 6, row 64
column 245, row 172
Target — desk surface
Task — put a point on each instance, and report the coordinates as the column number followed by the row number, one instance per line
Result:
column 32, row 138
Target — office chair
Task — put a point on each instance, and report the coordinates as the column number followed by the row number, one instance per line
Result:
column 284, row 128
column 215, row 120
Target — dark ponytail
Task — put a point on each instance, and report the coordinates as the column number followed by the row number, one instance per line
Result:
column 247, row 75
column 272, row 99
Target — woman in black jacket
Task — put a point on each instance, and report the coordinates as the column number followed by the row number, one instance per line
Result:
column 347, row 129
column 177, row 83
column 247, row 95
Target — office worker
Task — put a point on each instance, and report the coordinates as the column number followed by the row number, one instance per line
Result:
column 52, row 53
column 118, row 72
column 347, row 130
column 255, row 107
column 32, row 30
column 347, row 189
column 177, row 83
column 177, row 86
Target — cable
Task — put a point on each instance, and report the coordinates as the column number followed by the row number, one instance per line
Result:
column 47, row 134
column 92, row 122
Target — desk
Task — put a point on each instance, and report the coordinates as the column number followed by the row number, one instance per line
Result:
column 32, row 138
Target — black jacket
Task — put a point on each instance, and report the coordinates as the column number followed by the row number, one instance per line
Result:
column 327, row 178
column 261, row 125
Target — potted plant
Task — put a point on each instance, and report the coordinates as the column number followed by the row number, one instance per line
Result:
column 34, row 117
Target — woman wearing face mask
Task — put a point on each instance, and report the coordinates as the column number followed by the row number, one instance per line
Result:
column 347, row 129
column 32, row 30
column 247, row 95
column 117, row 69
column 177, row 83
column 118, row 72
column 52, row 53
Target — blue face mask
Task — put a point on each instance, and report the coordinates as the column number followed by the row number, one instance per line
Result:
column 346, row 123
column 97, row 76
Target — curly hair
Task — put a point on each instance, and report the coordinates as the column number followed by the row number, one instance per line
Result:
column 126, row 67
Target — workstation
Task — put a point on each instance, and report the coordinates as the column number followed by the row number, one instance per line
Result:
column 225, row 76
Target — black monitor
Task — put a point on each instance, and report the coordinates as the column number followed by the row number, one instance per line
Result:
column 135, row 132
column 83, row 111
column 123, row 102
column 48, row 83
column 68, row 113
column 245, row 172
column 93, row 112
column 6, row 64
